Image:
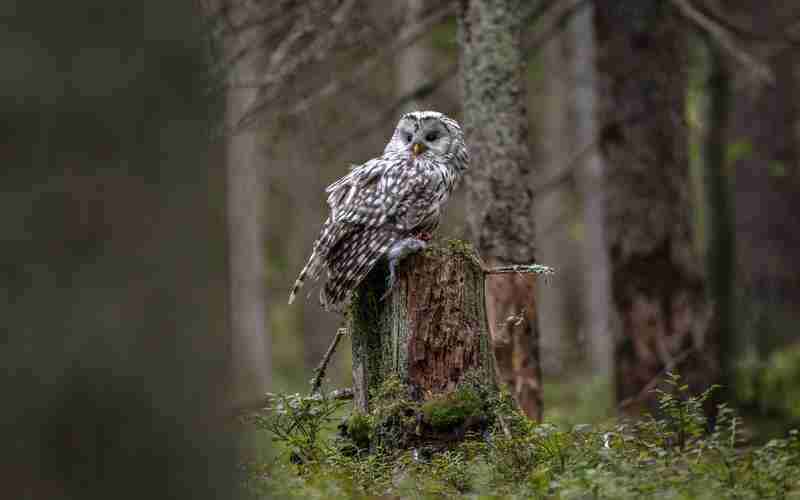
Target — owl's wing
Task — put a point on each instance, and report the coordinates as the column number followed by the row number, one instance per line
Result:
column 341, row 193
column 381, row 214
column 365, row 196
column 362, row 234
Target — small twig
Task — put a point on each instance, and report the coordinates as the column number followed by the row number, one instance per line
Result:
column 263, row 403
column 319, row 372
column 520, row 269
column 504, row 426
column 341, row 394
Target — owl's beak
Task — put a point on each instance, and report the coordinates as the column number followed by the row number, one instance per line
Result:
column 417, row 149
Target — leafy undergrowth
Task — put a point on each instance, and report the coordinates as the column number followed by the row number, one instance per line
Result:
column 674, row 455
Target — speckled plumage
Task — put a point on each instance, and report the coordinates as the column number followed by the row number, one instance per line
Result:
column 385, row 201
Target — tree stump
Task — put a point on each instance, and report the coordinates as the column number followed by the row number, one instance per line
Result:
column 428, row 340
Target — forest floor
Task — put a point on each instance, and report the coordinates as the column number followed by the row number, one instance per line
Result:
column 580, row 451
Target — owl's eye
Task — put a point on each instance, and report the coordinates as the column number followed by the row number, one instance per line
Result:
column 407, row 137
column 432, row 136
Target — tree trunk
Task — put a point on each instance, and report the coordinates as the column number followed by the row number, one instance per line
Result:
column 499, row 197
column 245, row 206
column 429, row 334
column 658, row 280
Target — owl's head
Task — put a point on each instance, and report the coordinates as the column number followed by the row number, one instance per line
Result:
column 428, row 134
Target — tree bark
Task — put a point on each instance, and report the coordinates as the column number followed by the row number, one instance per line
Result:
column 430, row 332
column 499, row 199
column 658, row 280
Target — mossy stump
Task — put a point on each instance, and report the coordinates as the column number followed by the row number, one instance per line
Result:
column 428, row 341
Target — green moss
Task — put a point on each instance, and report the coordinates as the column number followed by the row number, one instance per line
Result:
column 365, row 314
column 453, row 410
column 359, row 430
column 451, row 247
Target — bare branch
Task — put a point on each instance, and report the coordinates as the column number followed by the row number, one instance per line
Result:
column 270, row 96
column 554, row 18
column 725, row 40
column 409, row 35
column 556, row 15
column 520, row 269
column 779, row 35
column 316, row 382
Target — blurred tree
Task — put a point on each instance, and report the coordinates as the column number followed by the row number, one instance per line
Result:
column 763, row 151
column 590, row 179
column 272, row 57
column 412, row 65
column 245, row 159
column 555, row 211
column 717, row 186
column 658, row 280
column 499, row 199
column 567, row 137
column 114, row 346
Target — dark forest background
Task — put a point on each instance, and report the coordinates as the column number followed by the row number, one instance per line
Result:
column 163, row 165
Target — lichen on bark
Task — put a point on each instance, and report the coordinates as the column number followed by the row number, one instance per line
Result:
column 499, row 194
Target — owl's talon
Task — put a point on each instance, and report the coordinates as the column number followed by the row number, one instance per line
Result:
column 398, row 252
column 391, row 280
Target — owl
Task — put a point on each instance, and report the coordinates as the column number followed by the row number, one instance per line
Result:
column 387, row 207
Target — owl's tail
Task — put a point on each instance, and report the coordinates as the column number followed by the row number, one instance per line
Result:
column 301, row 278
column 311, row 268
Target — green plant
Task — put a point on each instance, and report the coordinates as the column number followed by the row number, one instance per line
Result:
column 296, row 423
column 683, row 419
